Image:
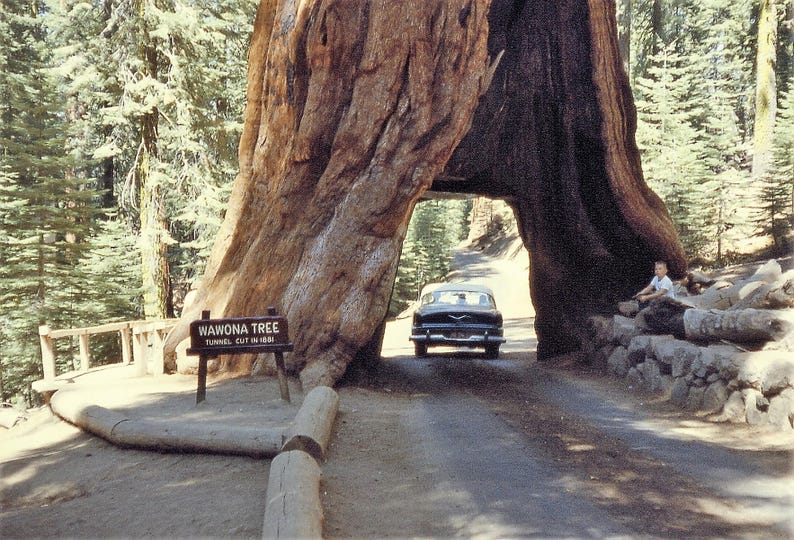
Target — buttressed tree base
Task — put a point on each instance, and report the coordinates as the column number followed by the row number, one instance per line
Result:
column 356, row 108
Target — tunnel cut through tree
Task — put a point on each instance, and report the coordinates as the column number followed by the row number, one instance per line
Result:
column 355, row 108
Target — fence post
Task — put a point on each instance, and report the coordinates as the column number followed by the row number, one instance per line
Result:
column 157, row 350
column 47, row 352
column 126, row 353
column 140, row 346
column 85, row 352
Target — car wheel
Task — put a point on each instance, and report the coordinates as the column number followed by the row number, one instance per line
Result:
column 492, row 351
column 420, row 349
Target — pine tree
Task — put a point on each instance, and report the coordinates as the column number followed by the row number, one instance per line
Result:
column 46, row 208
column 725, row 89
column 709, row 54
column 765, row 88
column 426, row 255
column 671, row 145
column 778, row 192
column 163, row 89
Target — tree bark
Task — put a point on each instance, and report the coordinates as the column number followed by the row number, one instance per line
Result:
column 555, row 136
column 765, row 89
column 742, row 326
column 355, row 107
column 155, row 272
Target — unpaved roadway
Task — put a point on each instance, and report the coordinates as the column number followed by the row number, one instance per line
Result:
column 446, row 446
column 453, row 445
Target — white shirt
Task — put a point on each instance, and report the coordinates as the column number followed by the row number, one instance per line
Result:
column 664, row 283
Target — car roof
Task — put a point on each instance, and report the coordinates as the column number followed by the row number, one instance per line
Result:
column 464, row 286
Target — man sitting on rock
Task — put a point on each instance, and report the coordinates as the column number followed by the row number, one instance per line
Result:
column 660, row 286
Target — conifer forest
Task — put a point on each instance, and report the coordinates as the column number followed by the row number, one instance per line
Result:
column 120, row 121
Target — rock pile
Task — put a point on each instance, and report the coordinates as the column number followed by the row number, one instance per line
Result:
column 728, row 350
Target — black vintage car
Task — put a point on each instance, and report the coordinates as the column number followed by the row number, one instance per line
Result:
column 460, row 315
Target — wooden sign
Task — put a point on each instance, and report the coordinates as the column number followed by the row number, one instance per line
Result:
column 212, row 337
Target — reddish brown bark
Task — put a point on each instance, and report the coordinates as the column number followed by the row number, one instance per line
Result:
column 354, row 107
column 555, row 136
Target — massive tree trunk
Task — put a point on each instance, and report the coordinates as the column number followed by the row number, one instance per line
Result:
column 355, row 107
column 555, row 135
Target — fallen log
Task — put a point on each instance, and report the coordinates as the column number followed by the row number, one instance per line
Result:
column 664, row 316
column 200, row 437
column 742, row 326
column 779, row 295
column 311, row 430
column 293, row 508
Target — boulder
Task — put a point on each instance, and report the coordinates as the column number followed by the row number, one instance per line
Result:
column 713, row 359
column 734, row 409
column 618, row 363
column 715, row 396
column 665, row 385
column 752, row 399
column 634, row 377
column 651, row 374
column 694, row 401
column 678, row 354
column 623, row 329
column 767, row 371
column 638, row 349
column 598, row 357
column 679, row 393
column 629, row 308
column 781, row 410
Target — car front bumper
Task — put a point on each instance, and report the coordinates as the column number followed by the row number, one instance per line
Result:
column 434, row 338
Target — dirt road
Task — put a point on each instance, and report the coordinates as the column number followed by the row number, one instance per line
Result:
column 446, row 446
column 458, row 446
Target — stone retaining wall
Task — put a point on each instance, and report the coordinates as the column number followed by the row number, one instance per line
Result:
column 732, row 354
column 734, row 384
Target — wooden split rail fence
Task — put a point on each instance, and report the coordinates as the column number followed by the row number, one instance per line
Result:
column 141, row 344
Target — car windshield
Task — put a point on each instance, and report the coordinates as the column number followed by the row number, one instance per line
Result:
column 459, row 298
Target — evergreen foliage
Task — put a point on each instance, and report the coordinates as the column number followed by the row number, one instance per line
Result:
column 778, row 189
column 80, row 84
column 46, row 208
column 436, row 227
column 693, row 80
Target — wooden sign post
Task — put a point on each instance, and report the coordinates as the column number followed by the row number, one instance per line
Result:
column 211, row 337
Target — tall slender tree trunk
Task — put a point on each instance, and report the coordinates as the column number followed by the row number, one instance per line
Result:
column 157, row 294
column 765, row 91
column 624, row 16
column 657, row 27
column 155, row 270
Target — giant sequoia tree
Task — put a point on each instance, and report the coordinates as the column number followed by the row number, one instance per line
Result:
column 356, row 107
